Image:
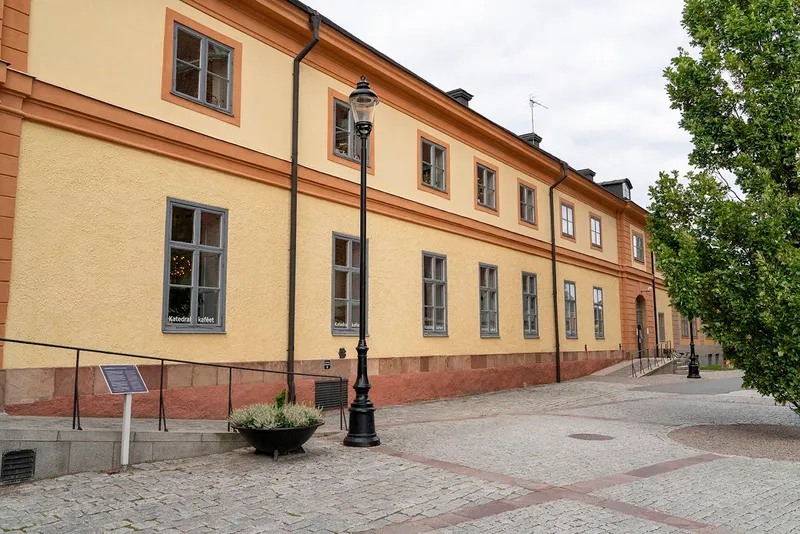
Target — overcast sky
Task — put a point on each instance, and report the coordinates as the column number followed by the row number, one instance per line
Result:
column 597, row 66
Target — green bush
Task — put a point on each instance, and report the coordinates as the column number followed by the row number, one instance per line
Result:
column 278, row 414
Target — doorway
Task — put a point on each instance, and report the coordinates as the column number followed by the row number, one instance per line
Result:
column 641, row 330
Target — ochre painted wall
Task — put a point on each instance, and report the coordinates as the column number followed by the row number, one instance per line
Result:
column 113, row 51
column 89, row 266
column 582, row 242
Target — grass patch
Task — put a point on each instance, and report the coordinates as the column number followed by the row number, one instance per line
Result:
column 717, row 367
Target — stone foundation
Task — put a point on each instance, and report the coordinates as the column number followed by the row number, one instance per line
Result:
column 200, row 392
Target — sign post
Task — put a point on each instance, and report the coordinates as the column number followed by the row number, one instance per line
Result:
column 124, row 380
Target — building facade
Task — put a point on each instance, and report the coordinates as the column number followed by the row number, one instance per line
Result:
column 145, row 181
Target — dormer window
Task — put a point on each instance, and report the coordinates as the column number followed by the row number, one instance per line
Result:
column 626, row 191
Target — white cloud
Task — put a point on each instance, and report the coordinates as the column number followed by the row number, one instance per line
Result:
column 596, row 65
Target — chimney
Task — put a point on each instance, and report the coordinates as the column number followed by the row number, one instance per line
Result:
column 531, row 139
column 460, row 96
column 588, row 174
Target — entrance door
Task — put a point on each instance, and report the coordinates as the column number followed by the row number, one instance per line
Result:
column 641, row 313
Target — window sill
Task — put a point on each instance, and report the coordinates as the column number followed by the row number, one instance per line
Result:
column 600, row 337
column 347, row 161
column 571, row 337
column 568, row 237
column 486, row 209
column 346, row 334
column 191, row 331
column 489, row 336
column 435, row 334
column 531, row 336
column 597, row 247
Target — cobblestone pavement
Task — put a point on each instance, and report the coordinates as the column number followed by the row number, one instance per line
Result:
column 505, row 462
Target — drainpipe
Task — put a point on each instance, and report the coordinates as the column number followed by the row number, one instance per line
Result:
column 314, row 21
column 655, row 306
column 564, row 171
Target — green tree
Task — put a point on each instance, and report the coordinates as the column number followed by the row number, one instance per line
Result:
column 735, row 262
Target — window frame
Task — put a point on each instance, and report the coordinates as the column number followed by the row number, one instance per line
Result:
column 172, row 21
column 684, row 327
column 626, row 191
column 434, row 332
column 633, row 242
column 423, row 137
column 363, row 301
column 567, row 333
column 592, row 218
column 662, row 327
column 196, row 248
column 571, row 207
column 532, row 188
column 333, row 155
column 599, row 333
column 534, row 314
column 203, row 76
column 496, row 291
column 482, row 164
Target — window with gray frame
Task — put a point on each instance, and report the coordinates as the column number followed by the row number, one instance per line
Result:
column 346, row 143
column 567, row 220
column 599, row 319
column 684, row 327
column 527, row 204
column 434, row 294
column 662, row 330
column 638, row 247
column 202, row 69
column 570, row 310
column 346, row 301
column 530, row 306
column 194, row 268
column 595, row 230
column 433, row 161
column 487, row 187
column 488, row 301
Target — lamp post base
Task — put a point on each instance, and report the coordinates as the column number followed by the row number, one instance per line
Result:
column 694, row 369
column 362, row 427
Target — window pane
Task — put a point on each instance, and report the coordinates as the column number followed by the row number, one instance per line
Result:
column 440, row 269
column 340, row 314
column 426, row 152
column 481, row 195
column 439, row 179
column 218, row 59
column 493, row 302
column 355, row 254
column 188, row 48
column 439, row 294
column 427, row 267
column 492, row 274
column 209, row 269
column 484, row 321
column 340, row 252
column 490, row 198
column 427, row 318
column 340, row 284
column 438, row 158
column 492, row 322
column 208, row 306
column 439, row 315
column 187, row 80
column 217, row 91
column 180, row 267
column 182, row 224
column 342, row 118
column 179, row 306
column 484, row 301
column 355, row 288
column 341, row 142
column 427, row 177
column 210, row 228
column 427, row 295
column 354, row 311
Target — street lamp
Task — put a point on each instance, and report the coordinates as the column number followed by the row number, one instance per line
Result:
column 694, row 363
column 361, row 432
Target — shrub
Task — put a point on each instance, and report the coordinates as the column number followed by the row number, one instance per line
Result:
column 278, row 414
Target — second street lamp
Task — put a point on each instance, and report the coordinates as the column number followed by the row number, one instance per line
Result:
column 694, row 363
column 361, row 432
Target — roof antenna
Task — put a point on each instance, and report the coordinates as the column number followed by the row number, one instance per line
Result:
column 532, row 102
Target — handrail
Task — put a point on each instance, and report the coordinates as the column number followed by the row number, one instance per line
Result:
column 162, row 414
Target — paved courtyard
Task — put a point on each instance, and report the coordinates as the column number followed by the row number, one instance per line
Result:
column 509, row 462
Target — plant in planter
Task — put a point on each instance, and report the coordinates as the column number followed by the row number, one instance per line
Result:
column 278, row 427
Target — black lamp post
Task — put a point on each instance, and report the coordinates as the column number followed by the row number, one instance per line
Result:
column 694, row 363
column 361, row 432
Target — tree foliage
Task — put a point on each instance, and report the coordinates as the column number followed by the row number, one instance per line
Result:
column 735, row 262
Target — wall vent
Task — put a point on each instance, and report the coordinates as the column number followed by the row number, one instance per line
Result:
column 330, row 394
column 17, row 466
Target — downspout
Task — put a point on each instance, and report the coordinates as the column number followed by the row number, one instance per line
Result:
column 314, row 21
column 655, row 306
column 564, row 171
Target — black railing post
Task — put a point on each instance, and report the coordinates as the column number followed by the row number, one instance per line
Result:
column 230, row 396
column 76, row 401
column 162, row 416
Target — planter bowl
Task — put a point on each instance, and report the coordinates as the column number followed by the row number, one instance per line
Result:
column 280, row 440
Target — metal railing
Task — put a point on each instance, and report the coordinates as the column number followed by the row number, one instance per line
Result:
column 162, row 414
column 650, row 358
